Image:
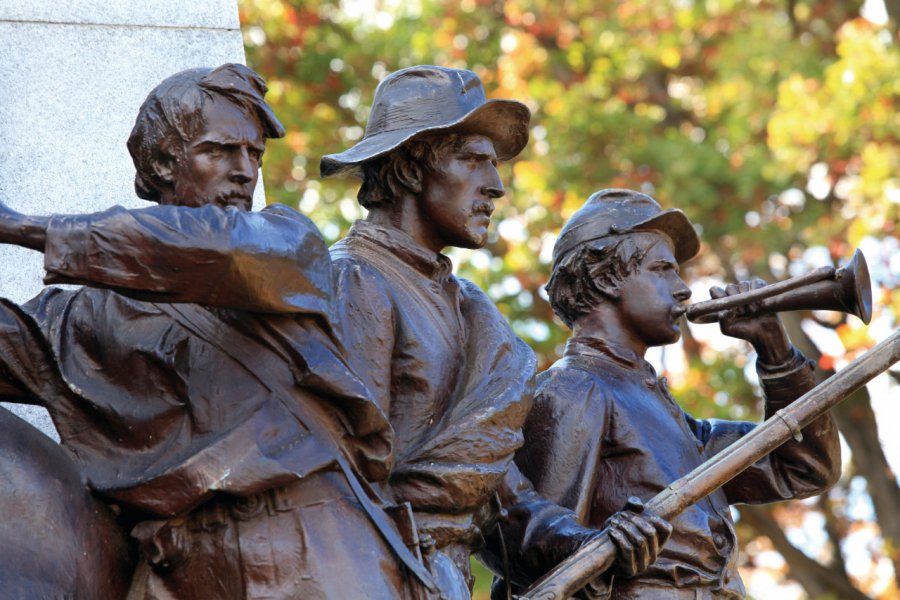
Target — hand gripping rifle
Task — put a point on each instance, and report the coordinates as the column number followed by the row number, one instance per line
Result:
column 597, row 556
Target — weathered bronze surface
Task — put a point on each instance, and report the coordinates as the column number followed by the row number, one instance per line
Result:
column 436, row 354
column 580, row 568
column 197, row 380
column 246, row 414
column 847, row 289
column 604, row 427
column 56, row 539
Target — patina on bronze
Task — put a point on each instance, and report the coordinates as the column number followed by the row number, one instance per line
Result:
column 198, row 381
column 786, row 424
column 847, row 289
column 437, row 355
column 604, row 428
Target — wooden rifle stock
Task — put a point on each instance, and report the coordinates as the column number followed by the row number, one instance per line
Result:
column 597, row 556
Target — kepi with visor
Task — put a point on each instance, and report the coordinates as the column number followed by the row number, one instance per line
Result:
column 612, row 212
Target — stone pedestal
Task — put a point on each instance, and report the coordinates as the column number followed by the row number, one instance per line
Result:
column 73, row 77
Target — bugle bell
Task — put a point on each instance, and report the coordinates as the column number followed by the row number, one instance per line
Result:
column 847, row 290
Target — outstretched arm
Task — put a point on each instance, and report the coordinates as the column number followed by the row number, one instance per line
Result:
column 22, row 230
column 273, row 261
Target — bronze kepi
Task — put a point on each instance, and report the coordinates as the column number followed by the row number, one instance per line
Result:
column 595, row 557
column 847, row 289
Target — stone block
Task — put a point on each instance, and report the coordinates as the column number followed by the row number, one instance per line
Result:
column 74, row 75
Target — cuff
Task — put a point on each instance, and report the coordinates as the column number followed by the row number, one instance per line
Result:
column 784, row 383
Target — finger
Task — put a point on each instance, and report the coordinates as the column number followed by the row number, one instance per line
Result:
column 731, row 289
column 663, row 528
column 744, row 287
column 716, row 292
column 648, row 536
column 639, row 543
column 757, row 283
column 625, row 555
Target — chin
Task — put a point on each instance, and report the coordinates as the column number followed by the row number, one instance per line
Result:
column 472, row 243
column 664, row 340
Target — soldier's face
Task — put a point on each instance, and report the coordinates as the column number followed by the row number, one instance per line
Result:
column 220, row 165
column 650, row 299
column 458, row 197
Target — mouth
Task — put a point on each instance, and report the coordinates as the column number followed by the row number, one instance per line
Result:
column 679, row 311
column 483, row 209
column 237, row 200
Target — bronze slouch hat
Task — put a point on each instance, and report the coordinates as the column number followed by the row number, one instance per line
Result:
column 429, row 99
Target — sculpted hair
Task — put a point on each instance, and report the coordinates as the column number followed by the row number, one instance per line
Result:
column 171, row 116
column 579, row 279
column 401, row 171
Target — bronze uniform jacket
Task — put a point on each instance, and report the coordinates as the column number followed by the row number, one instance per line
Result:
column 443, row 363
column 604, row 428
column 160, row 403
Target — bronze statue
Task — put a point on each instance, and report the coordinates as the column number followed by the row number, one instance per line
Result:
column 198, row 381
column 433, row 350
column 605, row 428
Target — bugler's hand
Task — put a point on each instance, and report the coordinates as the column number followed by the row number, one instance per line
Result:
column 764, row 331
column 744, row 322
column 638, row 538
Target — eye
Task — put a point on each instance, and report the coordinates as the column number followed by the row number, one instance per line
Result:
column 215, row 150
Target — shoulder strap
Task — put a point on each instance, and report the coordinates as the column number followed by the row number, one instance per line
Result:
column 200, row 323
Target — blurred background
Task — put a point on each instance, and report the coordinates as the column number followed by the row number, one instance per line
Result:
column 773, row 124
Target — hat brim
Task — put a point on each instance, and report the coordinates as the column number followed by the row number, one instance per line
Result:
column 674, row 224
column 505, row 122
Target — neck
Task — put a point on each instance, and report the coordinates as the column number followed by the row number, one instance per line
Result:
column 403, row 214
column 605, row 323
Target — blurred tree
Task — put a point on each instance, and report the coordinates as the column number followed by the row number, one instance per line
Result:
column 773, row 124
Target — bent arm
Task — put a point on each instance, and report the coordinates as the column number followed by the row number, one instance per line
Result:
column 562, row 444
column 795, row 469
column 273, row 261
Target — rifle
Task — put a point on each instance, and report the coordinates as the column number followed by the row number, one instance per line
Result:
column 597, row 556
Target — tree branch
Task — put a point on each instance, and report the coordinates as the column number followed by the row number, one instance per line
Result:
column 856, row 422
column 816, row 579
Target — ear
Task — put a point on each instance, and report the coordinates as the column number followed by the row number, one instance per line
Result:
column 164, row 168
column 608, row 288
column 163, row 165
column 409, row 175
column 604, row 282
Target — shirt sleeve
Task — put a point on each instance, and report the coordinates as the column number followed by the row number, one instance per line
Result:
column 542, row 523
column 272, row 261
column 364, row 310
column 796, row 469
column 537, row 533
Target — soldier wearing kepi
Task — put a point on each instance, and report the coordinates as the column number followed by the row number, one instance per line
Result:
column 604, row 428
column 434, row 351
column 199, row 381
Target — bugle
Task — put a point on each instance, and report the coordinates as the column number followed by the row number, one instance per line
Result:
column 847, row 289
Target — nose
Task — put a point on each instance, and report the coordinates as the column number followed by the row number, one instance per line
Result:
column 242, row 167
column 682, row 292
column 492, row 191
column 493, row 188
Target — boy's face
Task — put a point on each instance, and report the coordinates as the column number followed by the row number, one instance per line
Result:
column 650, row 299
